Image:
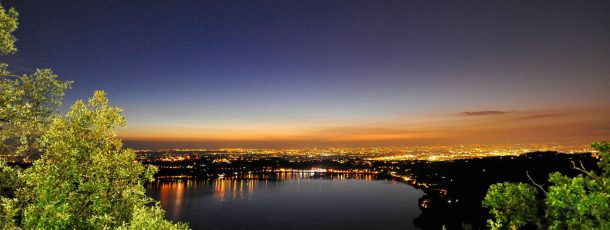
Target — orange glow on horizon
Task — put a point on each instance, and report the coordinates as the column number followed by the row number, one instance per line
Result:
column 550, row 125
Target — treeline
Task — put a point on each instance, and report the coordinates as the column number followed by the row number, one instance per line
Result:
column 578, row 200
column 455, row 189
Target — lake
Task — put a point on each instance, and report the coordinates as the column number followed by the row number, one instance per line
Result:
column 289, row 201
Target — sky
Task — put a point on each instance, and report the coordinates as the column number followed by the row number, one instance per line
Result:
column 275, row 74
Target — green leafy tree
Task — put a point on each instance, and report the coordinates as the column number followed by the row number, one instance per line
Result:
column 9, row 204
column 8, row 25
column 513, row 204
column 27, row 106
column 84, row 179
column 581, row 202
column 150, row 217
column 27, row 103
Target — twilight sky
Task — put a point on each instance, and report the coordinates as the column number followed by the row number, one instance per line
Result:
column 331, row 73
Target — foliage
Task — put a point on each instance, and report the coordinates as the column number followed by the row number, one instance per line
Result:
column 9, row 211
column 10, row 180
column 27, row 105
column 151, row 218
column 8, row 24
column 9, row 205
column 84, row 179
column 26, row 102
column 513, row 204
column 581, row 202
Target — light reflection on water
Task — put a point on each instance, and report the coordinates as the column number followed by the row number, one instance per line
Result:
column 289, row 201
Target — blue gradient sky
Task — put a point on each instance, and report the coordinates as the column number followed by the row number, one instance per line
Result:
column 309, row 73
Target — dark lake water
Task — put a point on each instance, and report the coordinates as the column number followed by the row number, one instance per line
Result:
column 290, row 201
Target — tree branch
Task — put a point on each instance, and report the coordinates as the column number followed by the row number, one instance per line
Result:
column 534, row 182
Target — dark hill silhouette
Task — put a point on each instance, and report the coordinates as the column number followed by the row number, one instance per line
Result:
column 455, row 189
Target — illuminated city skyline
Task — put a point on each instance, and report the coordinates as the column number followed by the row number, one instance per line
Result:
column 428, row 153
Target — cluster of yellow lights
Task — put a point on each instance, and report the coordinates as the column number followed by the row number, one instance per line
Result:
column 428, row 153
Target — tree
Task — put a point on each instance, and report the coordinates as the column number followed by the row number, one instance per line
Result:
column 9, row 204
column 581, row 202
column 27, row 103
column 8, row 25
column 84, row 179
column 513, row 204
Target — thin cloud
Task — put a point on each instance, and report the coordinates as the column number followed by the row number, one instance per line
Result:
column 542, row 116
column 484, row 113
